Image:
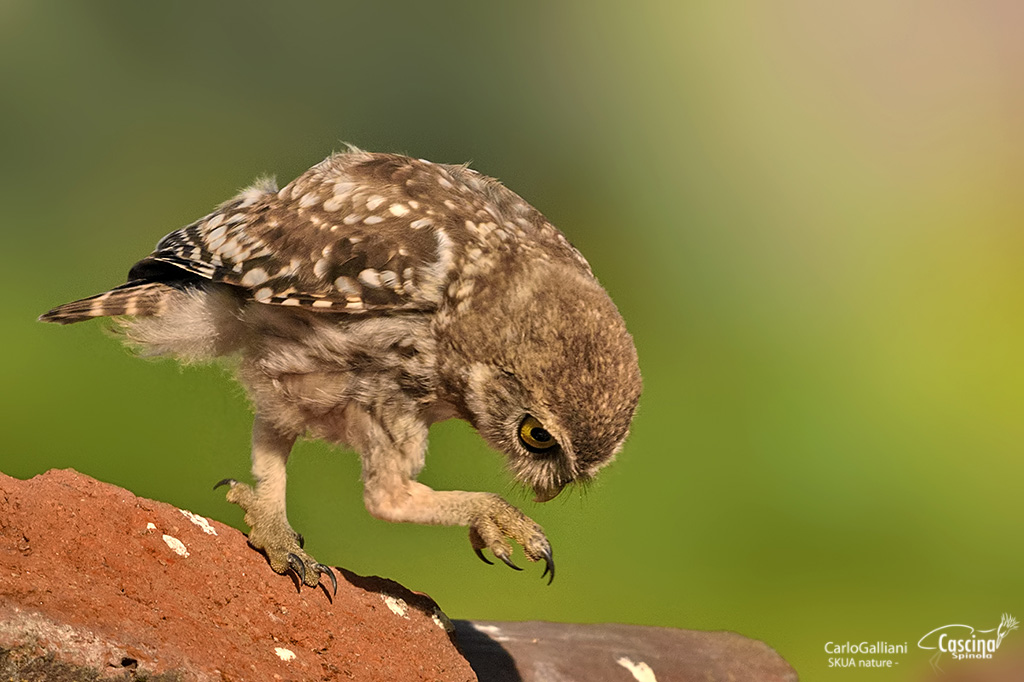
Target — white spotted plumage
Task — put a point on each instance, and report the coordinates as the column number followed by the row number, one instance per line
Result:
column 357, row 233
column 372, row 296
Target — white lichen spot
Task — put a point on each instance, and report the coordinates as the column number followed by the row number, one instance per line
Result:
column 641, row 671
column 176, row 545
column 397, row 605
column 442, row 621
column 284, row 654
column 150, row 526
column 492, row 631
column 200, row 521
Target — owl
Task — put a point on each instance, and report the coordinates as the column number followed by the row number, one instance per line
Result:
column 371, row 297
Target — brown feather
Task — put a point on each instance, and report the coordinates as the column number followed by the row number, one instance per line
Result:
column 140, row 299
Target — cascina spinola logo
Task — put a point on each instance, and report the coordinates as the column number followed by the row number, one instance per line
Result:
column 963, row 641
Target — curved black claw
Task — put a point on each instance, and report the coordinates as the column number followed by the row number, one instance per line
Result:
column 324, row 570
column 301, row 540
column 226, row 481
column 508, row 562
column 484, row 559
column 295, row 563
column 549, row 566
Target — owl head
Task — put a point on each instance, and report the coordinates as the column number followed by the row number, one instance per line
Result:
column 551, row 379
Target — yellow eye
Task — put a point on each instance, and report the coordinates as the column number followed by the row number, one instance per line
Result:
column 534, row 436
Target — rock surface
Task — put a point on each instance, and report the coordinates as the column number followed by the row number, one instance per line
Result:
column 560, row 652
column 95, row 581
column 98, row 583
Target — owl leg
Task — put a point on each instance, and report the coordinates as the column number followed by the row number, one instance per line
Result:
column 265, row 511
column 492, row 521
column 498, row 520
column 393, row 457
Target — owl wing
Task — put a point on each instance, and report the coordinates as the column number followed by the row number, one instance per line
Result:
column 349, row 235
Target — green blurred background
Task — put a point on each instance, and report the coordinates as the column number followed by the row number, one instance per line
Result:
column 809, row 214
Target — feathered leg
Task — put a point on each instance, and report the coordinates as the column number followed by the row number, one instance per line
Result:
column 265, row 510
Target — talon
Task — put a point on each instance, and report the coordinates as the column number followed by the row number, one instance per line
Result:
column 549, row 566
column 484, row 559
column 301, row 540
column 296, row 565
column 324, row 570
column 508, row 562
column 227, row 481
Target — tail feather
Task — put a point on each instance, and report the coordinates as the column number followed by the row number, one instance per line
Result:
column 140, row 299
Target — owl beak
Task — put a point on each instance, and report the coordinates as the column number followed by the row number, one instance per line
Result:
column 547, row 494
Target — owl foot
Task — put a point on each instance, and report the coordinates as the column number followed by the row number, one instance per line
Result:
column 271, row 534
column 500, row 521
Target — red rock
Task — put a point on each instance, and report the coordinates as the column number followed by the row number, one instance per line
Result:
column 89, row 574
column 93, row 578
